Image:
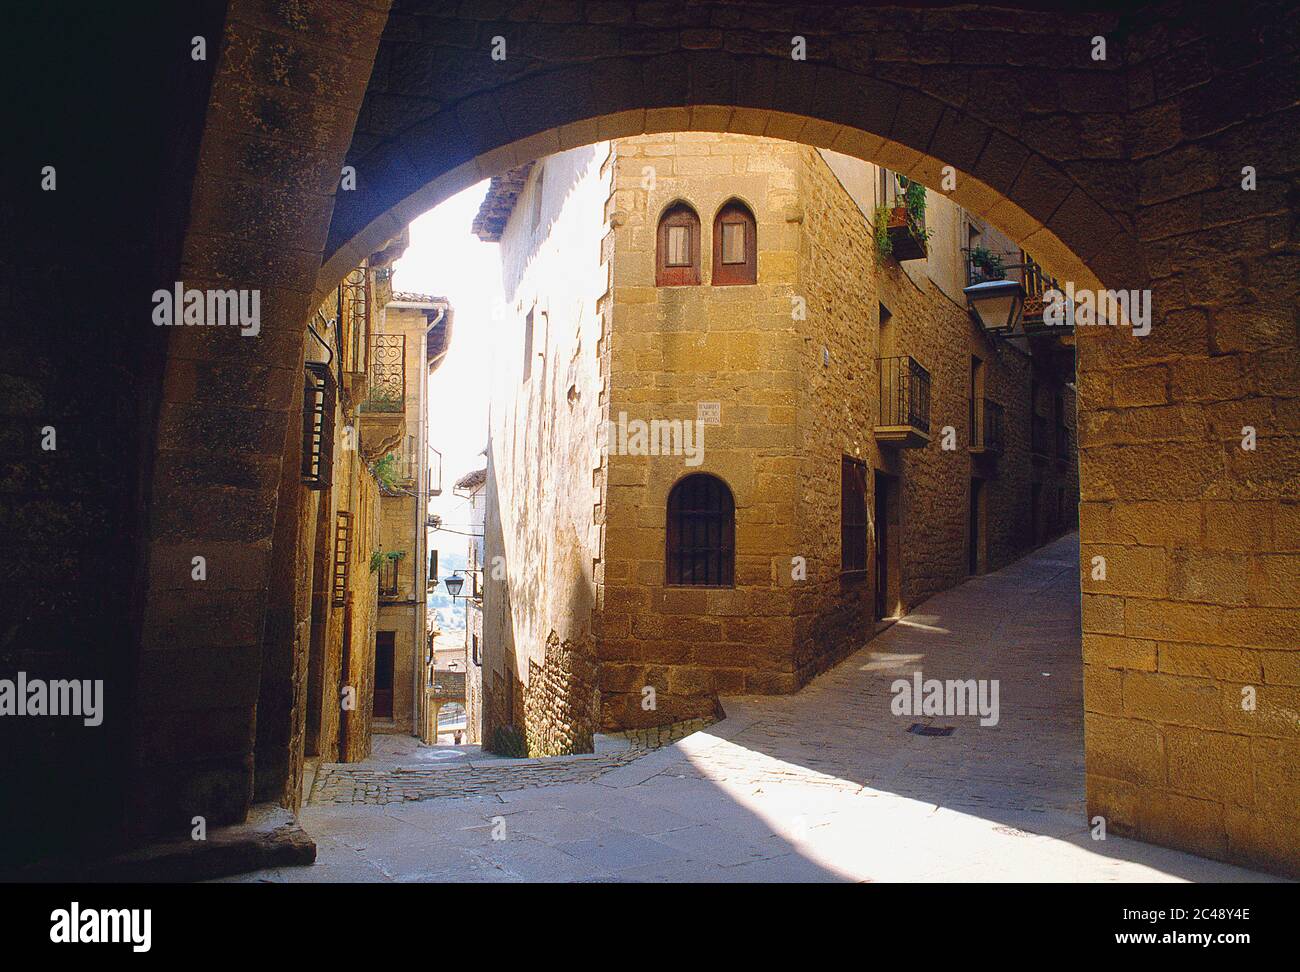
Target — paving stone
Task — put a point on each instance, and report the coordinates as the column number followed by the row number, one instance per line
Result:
column 824, row 785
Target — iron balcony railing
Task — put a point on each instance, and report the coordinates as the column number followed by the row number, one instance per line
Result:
column 435, row 472
column 387, row 387
column 986, row 425
column 904, row 393
column 354, row 320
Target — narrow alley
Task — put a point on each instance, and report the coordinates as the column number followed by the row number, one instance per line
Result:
column 823, row 785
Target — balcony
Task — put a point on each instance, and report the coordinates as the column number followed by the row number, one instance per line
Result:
column 983, row 266
column 387, row 392
column 354, row 302
column 383, row 412
column 907, row 237
column 318, row 425
column 986, row 427
column 904, row 403
column 435, row 472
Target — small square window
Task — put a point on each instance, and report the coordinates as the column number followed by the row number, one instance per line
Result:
column 733, row 242
column 679, row 246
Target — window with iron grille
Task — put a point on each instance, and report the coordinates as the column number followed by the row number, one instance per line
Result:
column 388, row 576
column 853, row 515
column 318, row 396
column 342, row 556
column 991, row 425
column 701, row 549
column 904, row 393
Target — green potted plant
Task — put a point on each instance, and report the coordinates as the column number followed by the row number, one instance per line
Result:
column 986, row 265
column 386, row 472
column 904, row 224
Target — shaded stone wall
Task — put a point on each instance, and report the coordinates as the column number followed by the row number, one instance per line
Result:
column 543, row 481
column 363, row 606
column 227, row 403
column 75, row 517
column 561, row 699
column 474, row 624
column 1200, row 606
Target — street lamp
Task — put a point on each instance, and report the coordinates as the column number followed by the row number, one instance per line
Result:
column 456, row 581
column 996, row 304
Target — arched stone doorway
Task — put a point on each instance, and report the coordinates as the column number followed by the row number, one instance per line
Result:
column 1089, row 164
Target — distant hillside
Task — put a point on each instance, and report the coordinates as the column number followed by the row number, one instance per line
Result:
column 450, row 611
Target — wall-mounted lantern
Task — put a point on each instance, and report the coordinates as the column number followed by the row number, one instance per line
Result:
column 454, row 583
column 996, row 304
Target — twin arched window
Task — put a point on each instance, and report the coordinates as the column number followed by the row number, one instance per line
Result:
column 701, row 548
column 735, row 246
column 677, row 247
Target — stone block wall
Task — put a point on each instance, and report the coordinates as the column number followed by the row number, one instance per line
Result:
column 561, row 699
column 398, row 614
column 355, row 726
column 1190, row 642
column 674, row 348
column 793, row 363
column 544, row 482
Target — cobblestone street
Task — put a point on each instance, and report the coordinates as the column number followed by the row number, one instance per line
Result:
column 824, row 785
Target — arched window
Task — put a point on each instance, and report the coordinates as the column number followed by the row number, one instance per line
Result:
column 677, row 247
column 701, row 549
column 735, row 246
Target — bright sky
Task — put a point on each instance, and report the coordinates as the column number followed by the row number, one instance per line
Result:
column 445, row 259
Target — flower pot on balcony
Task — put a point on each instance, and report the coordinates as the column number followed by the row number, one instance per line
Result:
column 904, row 241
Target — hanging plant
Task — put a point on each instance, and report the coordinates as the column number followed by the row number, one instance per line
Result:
column 914, row 202
column 884, row 245
column 900, row 229
column 385, row 471
column 377, row 558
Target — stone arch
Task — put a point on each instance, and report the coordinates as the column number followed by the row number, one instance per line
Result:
column 1038, row 205
column 1078, row 162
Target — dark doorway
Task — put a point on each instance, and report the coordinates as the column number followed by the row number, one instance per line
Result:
column 384, row 646
column 976, row 491
column 882, row 545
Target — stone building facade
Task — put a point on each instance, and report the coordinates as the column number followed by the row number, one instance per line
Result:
column 790, row 385
column 413, row 336
column 473, row 486
column 346, row 517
